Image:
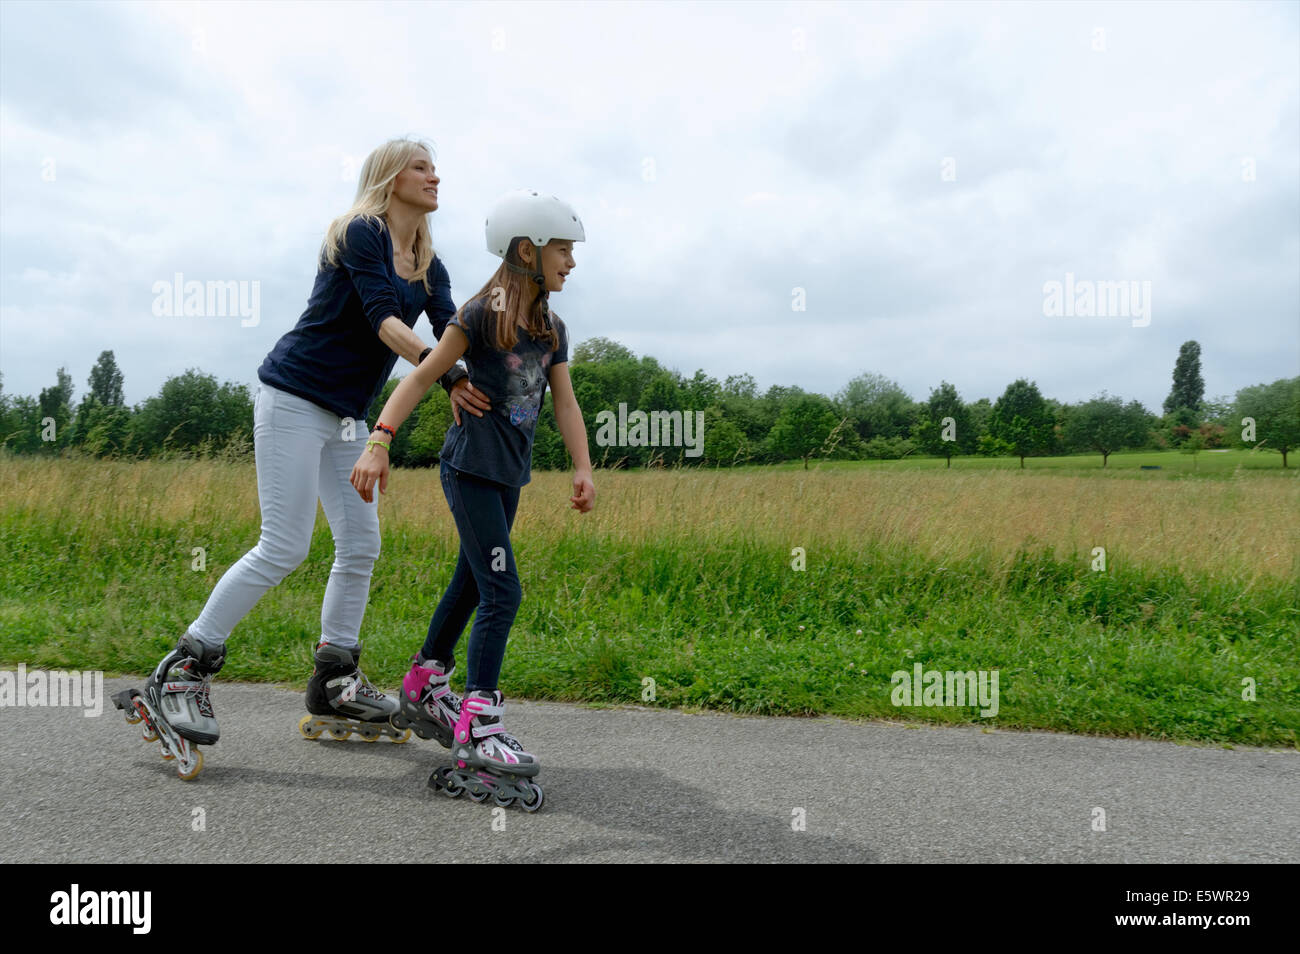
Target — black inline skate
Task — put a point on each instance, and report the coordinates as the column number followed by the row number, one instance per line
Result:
column 176, row 707
column 342, row 701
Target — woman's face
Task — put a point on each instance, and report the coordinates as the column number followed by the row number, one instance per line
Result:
column 417, row 184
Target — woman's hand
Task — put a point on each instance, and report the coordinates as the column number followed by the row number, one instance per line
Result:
column 370, row 467
column 465, row 395
column 584, row 492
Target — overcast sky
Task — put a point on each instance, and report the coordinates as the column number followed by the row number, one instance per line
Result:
column 918, row 172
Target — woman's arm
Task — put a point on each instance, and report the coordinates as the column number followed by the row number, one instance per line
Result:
column 416, row 385
column 401, row 339
column 568, row 417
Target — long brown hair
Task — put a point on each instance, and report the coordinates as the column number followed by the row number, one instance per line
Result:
column 504, row 308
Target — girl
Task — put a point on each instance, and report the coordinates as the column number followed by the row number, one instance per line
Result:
column 377, row 271
column 513, row 346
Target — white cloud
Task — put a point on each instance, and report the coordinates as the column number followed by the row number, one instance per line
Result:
column 790, row 145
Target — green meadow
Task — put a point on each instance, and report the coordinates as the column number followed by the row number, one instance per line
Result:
column 1124, row 602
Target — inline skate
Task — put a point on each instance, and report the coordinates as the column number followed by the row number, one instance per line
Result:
column 341, row 700
column 490, row 763
column 175, row 707
column 428, row 705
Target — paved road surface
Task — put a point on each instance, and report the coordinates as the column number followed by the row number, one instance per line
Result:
column 643, row 785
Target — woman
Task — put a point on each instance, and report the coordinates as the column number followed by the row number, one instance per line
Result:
column 377, row 272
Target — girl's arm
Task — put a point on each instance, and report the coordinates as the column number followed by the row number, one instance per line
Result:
column 372, row 466
column 568, row 416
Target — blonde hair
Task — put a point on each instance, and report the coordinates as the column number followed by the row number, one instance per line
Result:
column 374, row 194
column 504, row 330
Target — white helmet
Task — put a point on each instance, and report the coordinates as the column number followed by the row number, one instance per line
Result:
column 537, row 217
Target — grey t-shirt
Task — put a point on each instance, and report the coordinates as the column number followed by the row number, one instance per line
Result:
column 499, row 445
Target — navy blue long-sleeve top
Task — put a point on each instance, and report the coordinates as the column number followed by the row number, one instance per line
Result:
column 333, row 356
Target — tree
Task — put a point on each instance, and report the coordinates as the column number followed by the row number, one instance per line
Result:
column 192, row 410
column 1275, row 410
column 661, row 393
column 1194, row 444
column 725, row 444
column 1056, row 412
column 740, row 404
column 803, row 427
column 56, row 404
column 878, row 406
column 1219, row 411
column 980, row 412
column 106, row 381
column 549, row 452
column 740, row 386
column 1178, row 425
column 701, row 391
column 941, row 439
column 600, row 351
column 1021, row 420
column 1189, row 386
column 426, row 429
column 1106, row 424
column 102, row 424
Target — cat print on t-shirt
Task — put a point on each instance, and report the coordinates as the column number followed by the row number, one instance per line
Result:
column 527, row 379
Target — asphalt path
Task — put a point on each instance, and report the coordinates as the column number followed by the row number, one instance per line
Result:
column 633, row 784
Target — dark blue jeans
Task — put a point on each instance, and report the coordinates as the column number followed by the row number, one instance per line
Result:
column 485, row 579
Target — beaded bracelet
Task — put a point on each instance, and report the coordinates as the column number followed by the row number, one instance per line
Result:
column 386, row 429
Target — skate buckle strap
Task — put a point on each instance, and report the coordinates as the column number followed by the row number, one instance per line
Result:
column 483, row 731
column 437, row 683
column 481, row 707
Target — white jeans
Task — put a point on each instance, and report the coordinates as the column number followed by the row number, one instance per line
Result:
column 301, row 456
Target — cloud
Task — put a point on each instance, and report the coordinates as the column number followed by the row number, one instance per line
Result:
column 918, row 171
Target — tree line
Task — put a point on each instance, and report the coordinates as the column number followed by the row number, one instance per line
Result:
column 872, row 417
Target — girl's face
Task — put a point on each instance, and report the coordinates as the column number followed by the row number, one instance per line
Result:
column 417, row 184
column 557, row 262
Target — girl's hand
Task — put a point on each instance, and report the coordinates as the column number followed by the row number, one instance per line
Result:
column 584, row 492
column 370, row 467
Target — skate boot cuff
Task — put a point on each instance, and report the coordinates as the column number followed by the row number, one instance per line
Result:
column 208, row 660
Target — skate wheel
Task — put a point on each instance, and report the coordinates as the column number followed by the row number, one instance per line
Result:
column 306, row 728
column 399, row 739
column 449, row 785
column 479, row 795
column 148, row 734
column 167, row 756
column 536, row 803
column 132, row 717
column 369, row 735
column 502, row 799
column 339, row 734
column 198, row 767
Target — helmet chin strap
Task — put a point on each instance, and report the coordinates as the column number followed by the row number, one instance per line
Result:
column 539, row 278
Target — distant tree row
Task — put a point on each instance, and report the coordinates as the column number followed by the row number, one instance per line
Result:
column 872, row 417
column 191, row 414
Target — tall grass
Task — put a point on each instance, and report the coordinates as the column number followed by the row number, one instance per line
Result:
column 679, row 588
